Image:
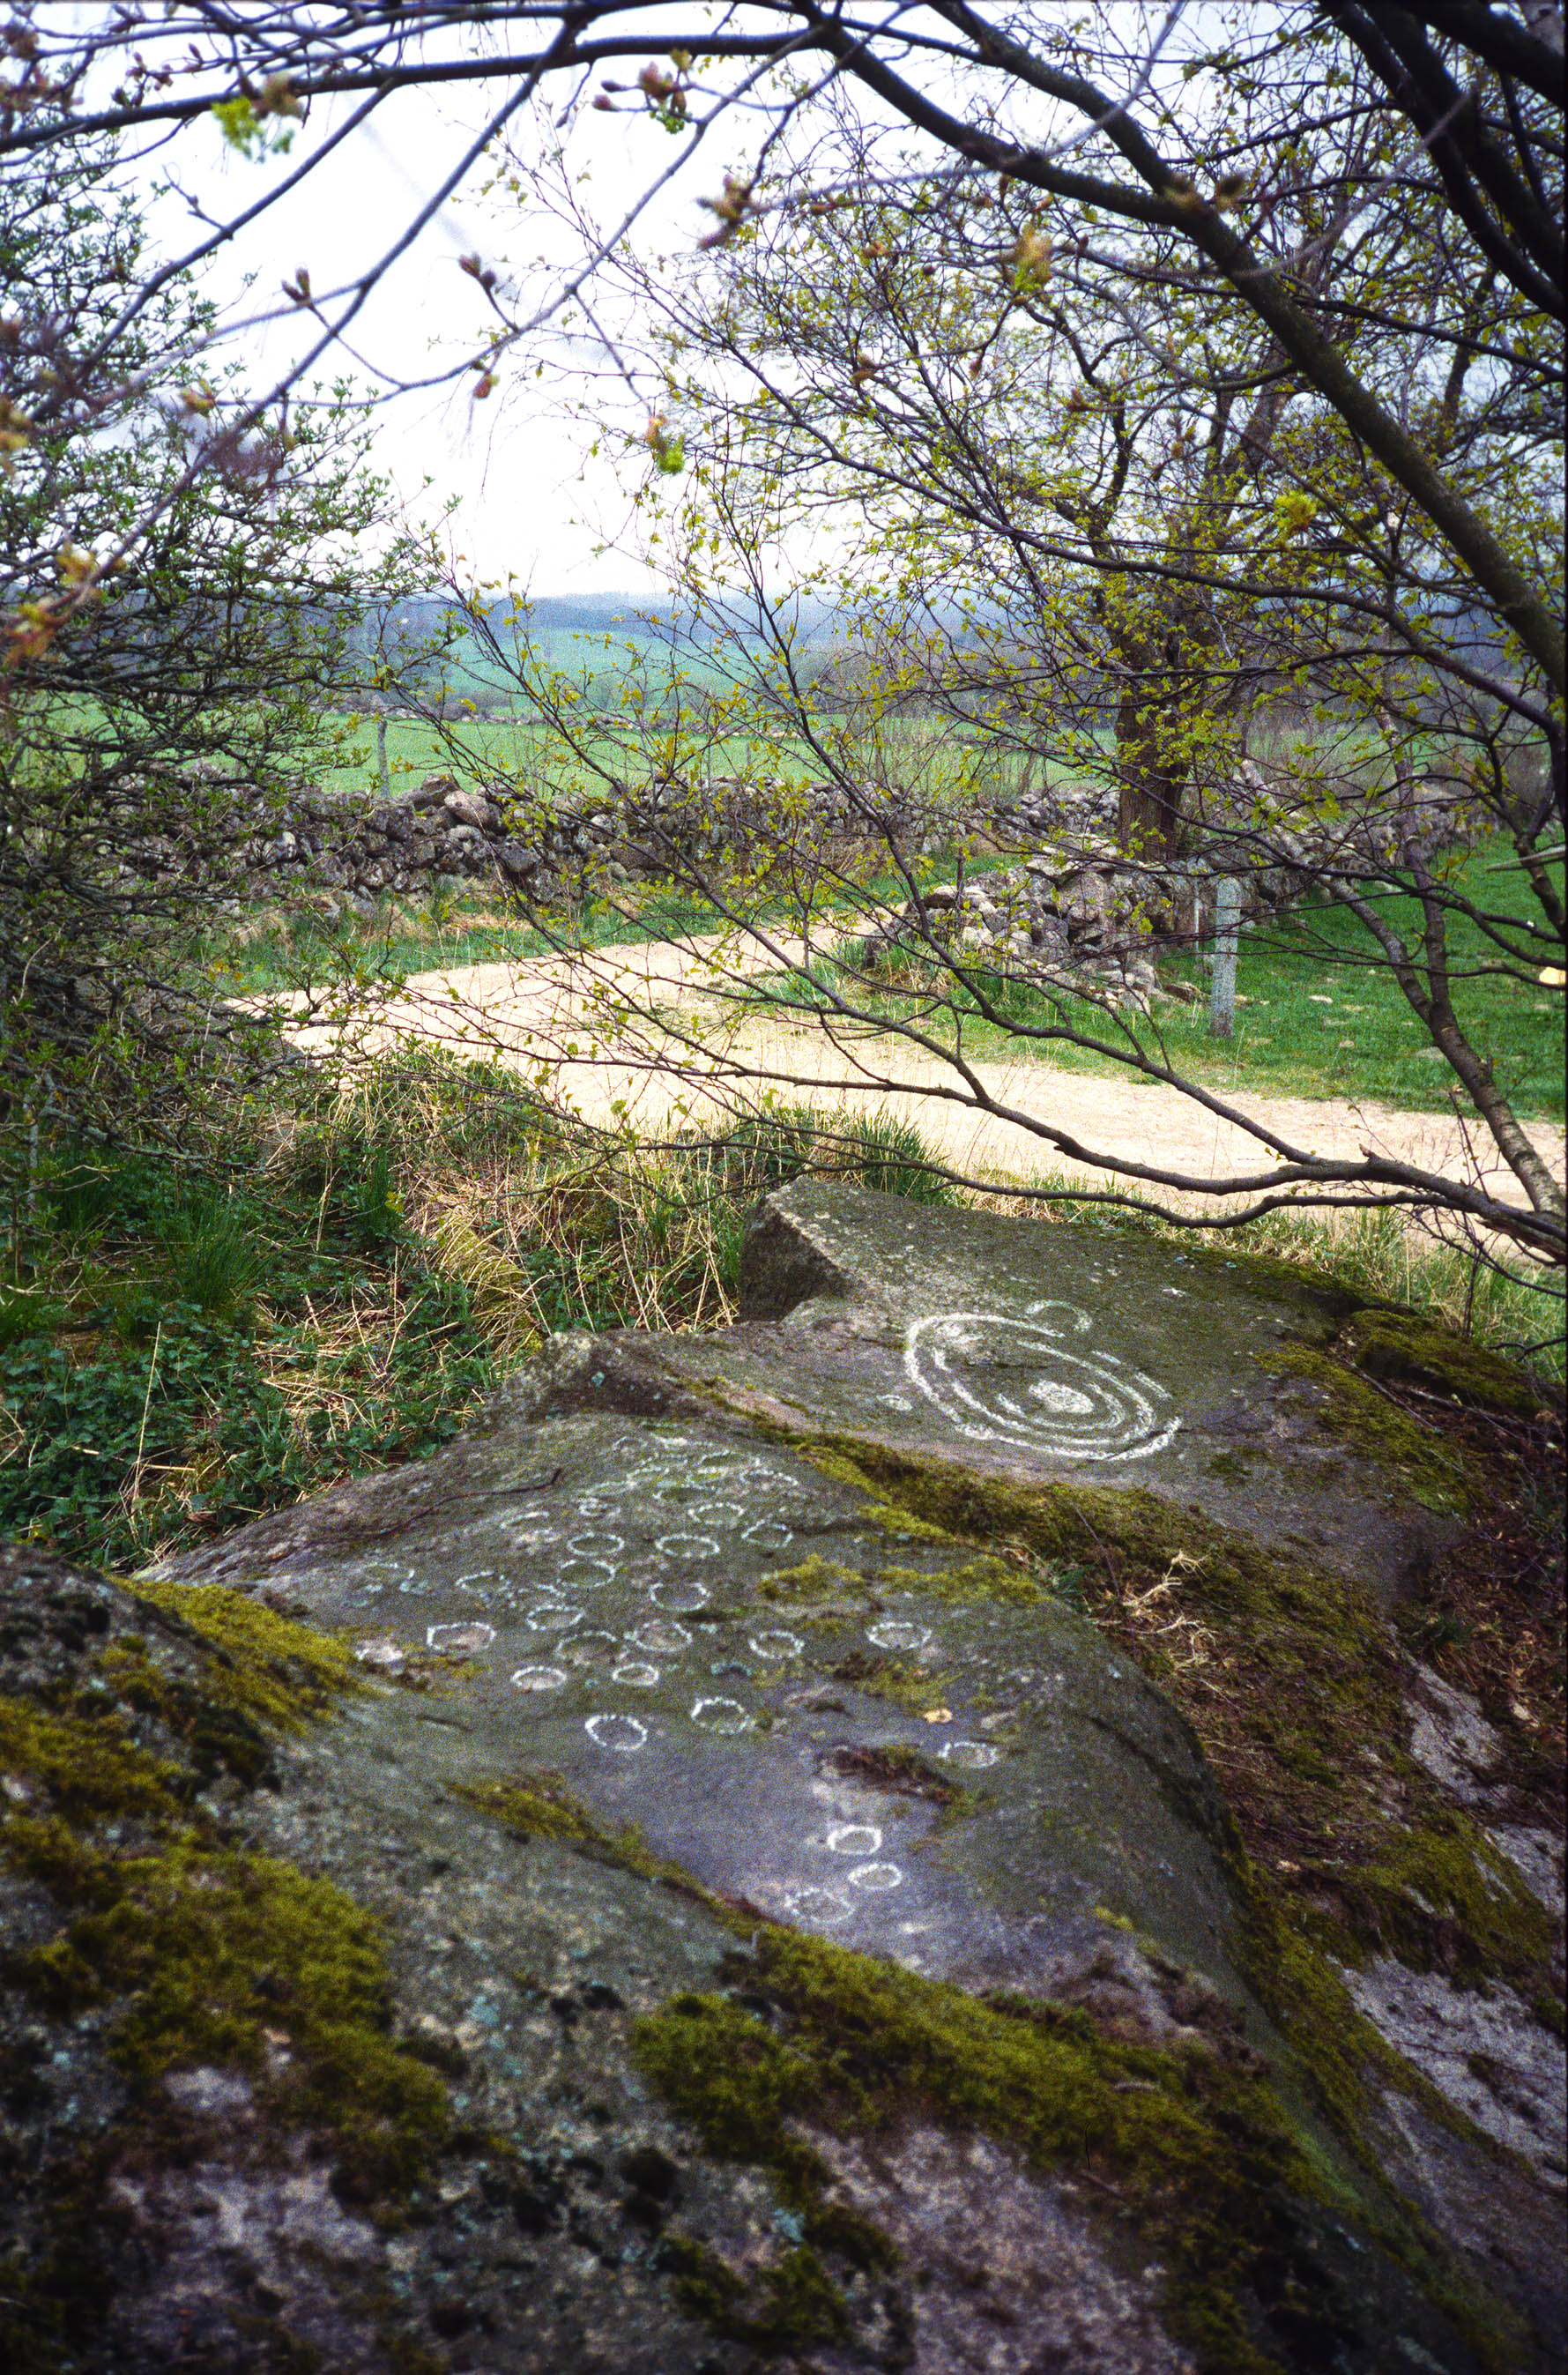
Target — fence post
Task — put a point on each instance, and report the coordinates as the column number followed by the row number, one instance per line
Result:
column 1222, row 997
column 381, row 757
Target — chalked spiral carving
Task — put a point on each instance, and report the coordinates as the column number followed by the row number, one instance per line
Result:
column 1020, row 1380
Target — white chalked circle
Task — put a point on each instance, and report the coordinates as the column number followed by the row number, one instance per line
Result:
column 875, row 1878
column 1036, row 1382
column 768, row 1534
column 538, row 1678
column 459, row 1640
column 635, row 1675
column 590, row 1648
column 664, row 1637
column 896, row 1635
column 823, row 1907
column 585, row 1574
column 552, row 1616
column 716, row 1512
column 855, row 1838
column 976, row 1755
column 596, row 1545
column 624, row 1733
column 720, row 1715
column 679, row 1594
column 774, row 1645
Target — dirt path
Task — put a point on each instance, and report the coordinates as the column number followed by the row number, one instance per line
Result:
column 584, row 1022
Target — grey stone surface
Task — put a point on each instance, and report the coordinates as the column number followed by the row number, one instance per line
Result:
column 1054, row 1352
column 781, row 1706
column 691, row 1628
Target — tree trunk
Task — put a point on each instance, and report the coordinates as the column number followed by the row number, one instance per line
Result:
column 1150, row 788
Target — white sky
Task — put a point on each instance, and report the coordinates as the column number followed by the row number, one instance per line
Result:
column 530, row 502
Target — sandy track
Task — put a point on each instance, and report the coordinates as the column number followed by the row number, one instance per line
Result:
column 588, row 1024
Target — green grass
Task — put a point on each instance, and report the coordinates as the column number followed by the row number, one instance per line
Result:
column 1319, row 1013
column 938, row 761
column 405, row 937
column 178, row 1358
column 186, row 1358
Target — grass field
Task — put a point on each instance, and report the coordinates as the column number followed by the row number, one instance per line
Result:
column 932, row 761
column 1320, row 1014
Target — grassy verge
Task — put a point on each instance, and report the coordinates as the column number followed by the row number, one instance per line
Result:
column 273, row 952
column 179, row 1357
column 1318, row 1011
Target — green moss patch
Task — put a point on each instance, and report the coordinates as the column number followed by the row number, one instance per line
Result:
column 189, row 1948
column 794, row 2304
column 899, row 1769
column 1373, row 1426
column 256, row 1674
column 205, row 1955
column 1399, row 1347
column 1189, row 2147
column 810, row 1578
column 262, row 1664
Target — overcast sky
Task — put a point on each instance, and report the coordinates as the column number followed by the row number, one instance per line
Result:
column 531, row 503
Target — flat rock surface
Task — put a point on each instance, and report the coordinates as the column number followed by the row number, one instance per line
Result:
column 852, row 1728
column 656, row 1681
column 1056, row 1352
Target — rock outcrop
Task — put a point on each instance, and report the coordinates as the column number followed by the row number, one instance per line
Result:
column 899, row 1836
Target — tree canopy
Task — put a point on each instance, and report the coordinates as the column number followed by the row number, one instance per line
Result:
column 1221, row 345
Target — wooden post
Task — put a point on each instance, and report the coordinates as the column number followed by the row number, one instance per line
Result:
column 1222, row 997
column 381, row 757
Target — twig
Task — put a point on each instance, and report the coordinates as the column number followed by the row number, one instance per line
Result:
column 146, row 1405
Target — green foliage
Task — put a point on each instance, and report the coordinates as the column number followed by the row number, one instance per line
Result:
column 159, row 711
column 181, row 1360
column 170, row 1410
column 780, row 1143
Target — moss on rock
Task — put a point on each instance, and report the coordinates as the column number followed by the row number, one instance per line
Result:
column 190, row 1948
column 1398, row 1345
column 1300, row 1708
column 1373, row 1426
column 538, row 1806
column 1193, row 2149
